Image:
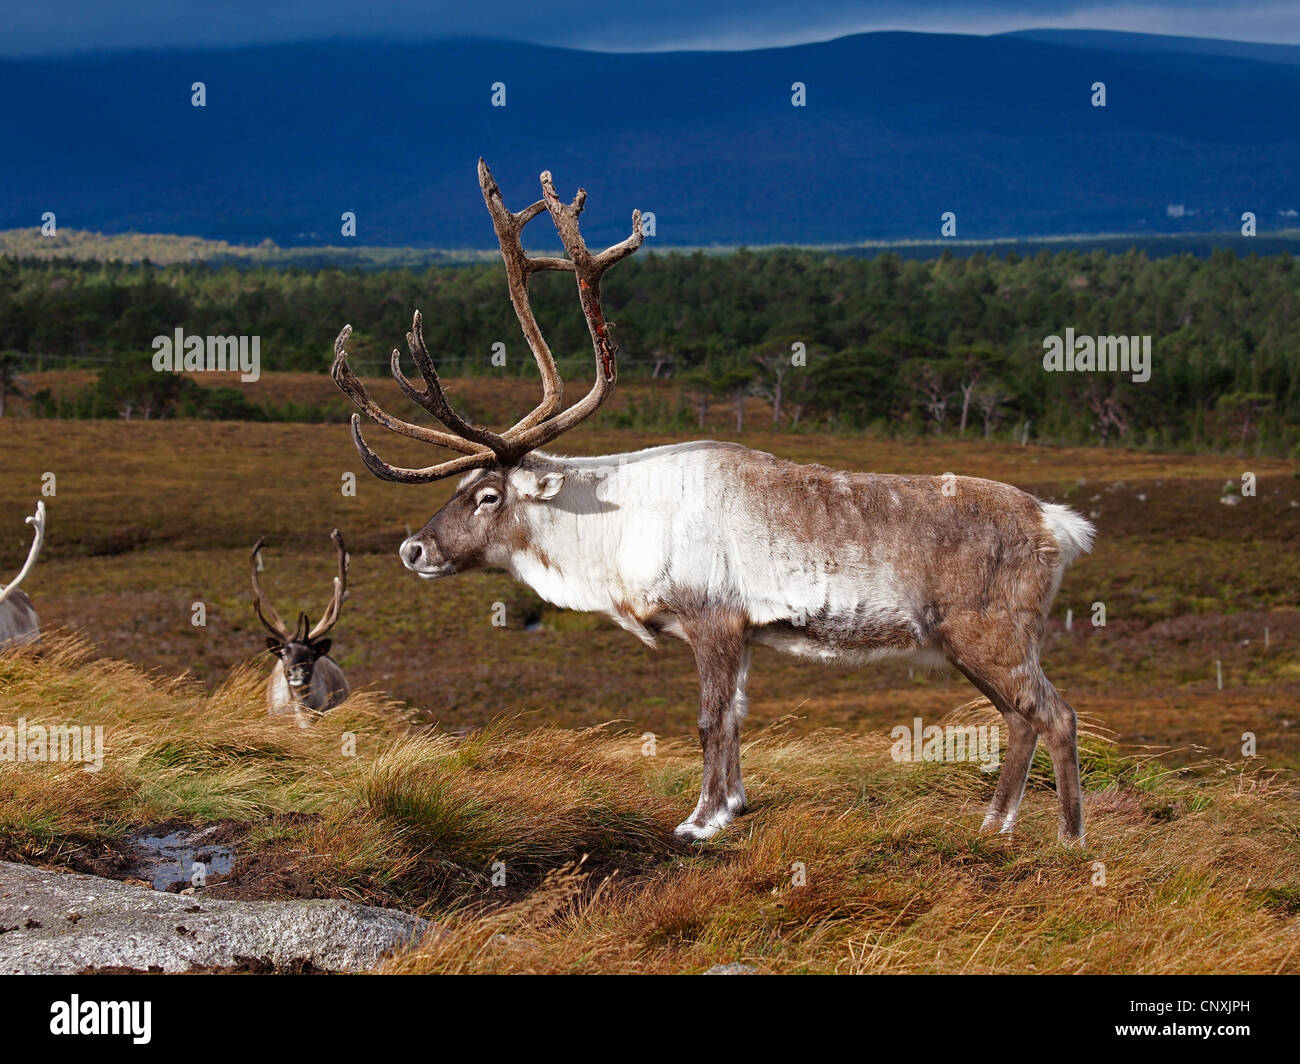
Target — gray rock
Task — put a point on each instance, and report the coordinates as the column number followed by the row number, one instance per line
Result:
column 732, row 969
column 56, row 922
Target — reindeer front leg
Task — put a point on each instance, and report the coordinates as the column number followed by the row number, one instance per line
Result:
column 722, row 658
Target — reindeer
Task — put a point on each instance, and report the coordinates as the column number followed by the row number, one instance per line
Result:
column 726, row 547
column 19, row 624
column 306, row 681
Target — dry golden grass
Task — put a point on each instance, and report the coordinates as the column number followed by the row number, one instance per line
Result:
column 1201, row 865
column 899, row 882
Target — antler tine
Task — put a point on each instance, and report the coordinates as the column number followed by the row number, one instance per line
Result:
column 337, row 537
column 349, row 383
column 509, row 227
column 37, row 521
column 332, row 611
column 381, row 469
column 276, row 625
column 621, row 250
column 588, row 270
column 433, row 398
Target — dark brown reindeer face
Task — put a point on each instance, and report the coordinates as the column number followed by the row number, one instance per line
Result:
column 481, row 524
column 299, row 655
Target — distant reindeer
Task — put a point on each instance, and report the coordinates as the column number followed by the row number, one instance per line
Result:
column 19, row 624
column 306, row 681
column 725, row 547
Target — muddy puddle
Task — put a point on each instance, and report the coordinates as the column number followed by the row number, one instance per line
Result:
column 180, row 856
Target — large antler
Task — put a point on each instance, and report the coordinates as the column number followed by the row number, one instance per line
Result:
column 480, row 446
column 340, row 591
column 37, row 521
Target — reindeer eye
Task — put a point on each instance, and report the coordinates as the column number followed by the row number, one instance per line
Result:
column 488, row 498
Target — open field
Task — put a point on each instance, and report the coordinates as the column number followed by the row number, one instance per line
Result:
column 152, row 517
column 1201, row 846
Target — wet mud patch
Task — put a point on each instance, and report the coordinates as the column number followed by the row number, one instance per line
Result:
column 218, row 860
column 181, row 858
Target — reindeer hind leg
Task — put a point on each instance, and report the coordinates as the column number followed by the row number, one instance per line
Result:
column 999, row 687
column 1034, row 709
column 1057, row 723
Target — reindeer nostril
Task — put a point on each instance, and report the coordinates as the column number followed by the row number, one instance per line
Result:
column 411, row 551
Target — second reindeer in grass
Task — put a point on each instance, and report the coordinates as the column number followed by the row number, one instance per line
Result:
column 306, row 681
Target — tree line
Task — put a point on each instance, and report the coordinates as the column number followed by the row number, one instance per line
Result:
column 834, row 343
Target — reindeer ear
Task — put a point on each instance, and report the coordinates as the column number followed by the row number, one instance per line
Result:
column 321, row 647
column 549, row 485
column 273, row 645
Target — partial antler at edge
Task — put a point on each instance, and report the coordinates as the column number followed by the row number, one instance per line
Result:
column 37, row 521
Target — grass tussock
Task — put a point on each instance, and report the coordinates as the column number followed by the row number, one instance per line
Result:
column 552, row 851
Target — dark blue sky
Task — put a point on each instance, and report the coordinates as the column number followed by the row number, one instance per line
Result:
column 36, row 27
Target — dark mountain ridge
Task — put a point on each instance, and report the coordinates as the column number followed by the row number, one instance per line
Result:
column 898, row 129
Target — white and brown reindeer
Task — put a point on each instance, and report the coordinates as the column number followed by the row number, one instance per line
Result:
column 306, row 681
column 726, row 547
column 19, row 625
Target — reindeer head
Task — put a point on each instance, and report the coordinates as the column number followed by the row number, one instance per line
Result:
column 300, row 649
column 484, row 522
column 474, row 528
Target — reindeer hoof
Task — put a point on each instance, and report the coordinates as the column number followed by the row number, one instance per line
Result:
column 998, row 823
column 700, row 825
column 695, row 832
